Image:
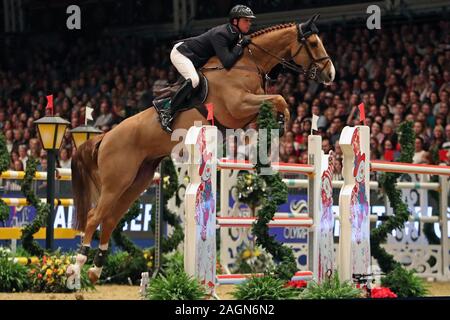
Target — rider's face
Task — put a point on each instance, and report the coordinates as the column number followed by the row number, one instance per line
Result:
column 244, row 24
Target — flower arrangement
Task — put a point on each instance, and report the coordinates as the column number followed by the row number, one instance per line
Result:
column 382, row 292
column 250, row 188
column 49, row 275
column 148, row 256
column 297, row 284
column 253, row 260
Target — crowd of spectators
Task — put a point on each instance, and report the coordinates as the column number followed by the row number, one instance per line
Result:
column 400, row 73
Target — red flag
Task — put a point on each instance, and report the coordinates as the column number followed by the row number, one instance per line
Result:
column 210, row 108
column 49, row 103
column 362, row 112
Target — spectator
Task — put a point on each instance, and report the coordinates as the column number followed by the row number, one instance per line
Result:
column 398, row 79
column 105, row 118
column 9, row 140
column 64, row 160
column 337, row 173
column 23, row 155
column 420, row 155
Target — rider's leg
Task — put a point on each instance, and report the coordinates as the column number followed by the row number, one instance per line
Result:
column 184, row 66
column 192, row 80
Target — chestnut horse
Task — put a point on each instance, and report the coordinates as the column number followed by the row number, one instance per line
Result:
column 110, row 171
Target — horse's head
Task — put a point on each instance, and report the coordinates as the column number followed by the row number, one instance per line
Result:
column 310, row 53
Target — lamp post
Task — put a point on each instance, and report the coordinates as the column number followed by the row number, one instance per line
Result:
column 83, row 133
column 51, row 132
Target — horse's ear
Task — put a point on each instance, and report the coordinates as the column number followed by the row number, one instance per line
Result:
column 315, row 17
column 307, row 22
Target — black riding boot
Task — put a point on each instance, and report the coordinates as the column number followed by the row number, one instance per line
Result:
column 167, row 115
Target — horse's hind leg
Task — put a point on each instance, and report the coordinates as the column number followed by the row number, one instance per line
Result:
column 106, row 203
column 109, row 195
column 109, row 222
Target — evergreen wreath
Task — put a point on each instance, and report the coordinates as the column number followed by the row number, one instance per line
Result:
column 42, row 209
column 387, row 182
column 4, row 165
column 170, row 188
column 275, row 195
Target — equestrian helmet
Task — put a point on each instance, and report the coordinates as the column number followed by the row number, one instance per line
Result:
column 241, row 11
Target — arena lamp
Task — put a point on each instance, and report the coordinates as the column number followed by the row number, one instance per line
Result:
column 51, row 131
column 83, row 133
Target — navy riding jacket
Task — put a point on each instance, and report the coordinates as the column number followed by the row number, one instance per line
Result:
column 219, row 41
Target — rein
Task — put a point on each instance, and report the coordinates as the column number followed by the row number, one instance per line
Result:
column 311, row 71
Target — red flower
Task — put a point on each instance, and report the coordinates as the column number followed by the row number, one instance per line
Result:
column 297, row 284
column 382, row 292
column 39, row 276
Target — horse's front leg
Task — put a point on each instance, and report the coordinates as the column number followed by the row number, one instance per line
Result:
column 277, row 100
column 254, row 101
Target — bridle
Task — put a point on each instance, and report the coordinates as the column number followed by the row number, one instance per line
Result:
column 302, row 37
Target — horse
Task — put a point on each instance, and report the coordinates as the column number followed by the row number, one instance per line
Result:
column 111, row 170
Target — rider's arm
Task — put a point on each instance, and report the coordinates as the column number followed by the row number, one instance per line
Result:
column 227, row 57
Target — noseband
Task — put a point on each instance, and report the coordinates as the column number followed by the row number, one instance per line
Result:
column 302, row 37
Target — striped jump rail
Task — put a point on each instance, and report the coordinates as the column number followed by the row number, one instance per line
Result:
column 401, row 167
column 9, row 233
column 61, row 174
column 240, row 278
column 25, row 261
column 23, row 202
column 277, row 166
column 247, row 222
column 303, row 183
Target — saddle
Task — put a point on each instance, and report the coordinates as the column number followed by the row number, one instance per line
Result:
column 197, row 96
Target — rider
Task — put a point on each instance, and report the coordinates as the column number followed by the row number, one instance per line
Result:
column 225, row 41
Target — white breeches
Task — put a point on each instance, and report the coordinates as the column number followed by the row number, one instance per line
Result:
column 184, row 66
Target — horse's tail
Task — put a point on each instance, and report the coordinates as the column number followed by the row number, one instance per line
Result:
column 85, row 181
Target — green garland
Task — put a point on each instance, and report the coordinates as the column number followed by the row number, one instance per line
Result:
column 170, row 187
column 387, row 182
column 4, row 165
column 120, row 238
column 275, row 195
column 42, row 209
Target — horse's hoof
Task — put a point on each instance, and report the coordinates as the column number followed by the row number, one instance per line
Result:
column 92, row 275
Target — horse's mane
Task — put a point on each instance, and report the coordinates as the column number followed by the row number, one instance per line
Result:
column 272, row 28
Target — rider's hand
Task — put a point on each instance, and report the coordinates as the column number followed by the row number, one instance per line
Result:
column 245, row 41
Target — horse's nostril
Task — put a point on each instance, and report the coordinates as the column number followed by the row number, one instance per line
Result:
column 330, row 75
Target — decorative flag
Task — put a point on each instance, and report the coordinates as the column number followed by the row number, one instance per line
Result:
column 88, row 114
column 362, row 113
column 210, row 108
column 50, row 103
column 315, row 119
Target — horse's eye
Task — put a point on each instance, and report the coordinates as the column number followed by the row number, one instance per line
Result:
column 313, row 44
